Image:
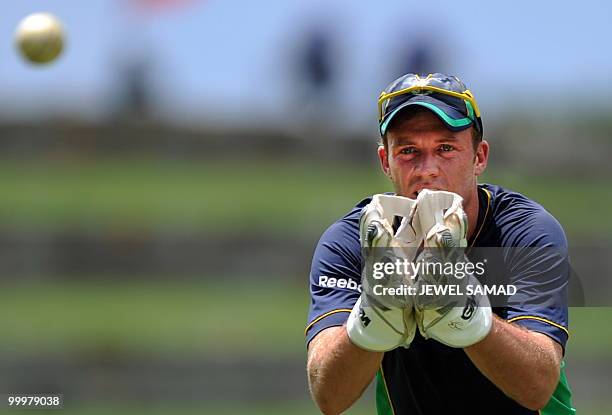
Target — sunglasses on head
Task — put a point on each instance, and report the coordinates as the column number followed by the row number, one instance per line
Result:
column 446, row 88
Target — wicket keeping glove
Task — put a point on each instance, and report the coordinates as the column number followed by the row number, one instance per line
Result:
column 456, row 319
column 382, row 322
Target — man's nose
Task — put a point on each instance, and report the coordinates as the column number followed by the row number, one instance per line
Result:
column 427, row 166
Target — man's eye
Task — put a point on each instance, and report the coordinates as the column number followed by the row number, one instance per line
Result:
column 408, row 150
column 446, row 147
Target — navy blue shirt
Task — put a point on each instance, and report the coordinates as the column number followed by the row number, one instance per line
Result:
column 429, row 377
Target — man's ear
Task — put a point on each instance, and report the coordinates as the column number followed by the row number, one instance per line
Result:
column 384, row 160
column 482, row 157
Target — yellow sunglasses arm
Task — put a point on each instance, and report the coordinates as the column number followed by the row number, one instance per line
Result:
column 466, row 95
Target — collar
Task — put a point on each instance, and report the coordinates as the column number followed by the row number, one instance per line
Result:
column 484, row 209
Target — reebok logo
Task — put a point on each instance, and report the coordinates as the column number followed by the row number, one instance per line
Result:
column 331, row 282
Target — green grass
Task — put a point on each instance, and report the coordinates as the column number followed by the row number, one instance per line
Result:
column 242, row 196
column 579, row 203
column 201, row 318
column 185, row 195
column 596, row 410
column 589, row 333
column 154, row 318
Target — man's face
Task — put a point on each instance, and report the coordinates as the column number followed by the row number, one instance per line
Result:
column 422, row 153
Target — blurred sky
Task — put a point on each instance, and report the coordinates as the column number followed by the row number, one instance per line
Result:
column 229, row 60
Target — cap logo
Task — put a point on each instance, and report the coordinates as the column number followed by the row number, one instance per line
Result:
column 421, row 92
column 421, row 83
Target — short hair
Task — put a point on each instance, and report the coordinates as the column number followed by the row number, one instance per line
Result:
column 407, row 115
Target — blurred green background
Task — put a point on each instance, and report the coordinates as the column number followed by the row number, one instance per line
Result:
column 164, row 183
column 114, row 339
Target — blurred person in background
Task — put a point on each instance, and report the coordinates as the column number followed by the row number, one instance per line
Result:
column 419, row 56
column 470, row 359
column 314, row 74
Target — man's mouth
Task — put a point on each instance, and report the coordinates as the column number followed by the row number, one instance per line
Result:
column 415, row 194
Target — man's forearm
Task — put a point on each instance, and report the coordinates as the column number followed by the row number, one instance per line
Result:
column 339, row 371
column 525, row 365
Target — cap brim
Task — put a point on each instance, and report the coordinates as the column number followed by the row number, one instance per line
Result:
column 450, row 116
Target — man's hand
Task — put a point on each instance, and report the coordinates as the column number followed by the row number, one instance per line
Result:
column 454, row 320
column 381, row 323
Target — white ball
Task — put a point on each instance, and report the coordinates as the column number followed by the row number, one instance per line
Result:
column 40, row 38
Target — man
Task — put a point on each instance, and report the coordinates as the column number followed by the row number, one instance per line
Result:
column 508, row 361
